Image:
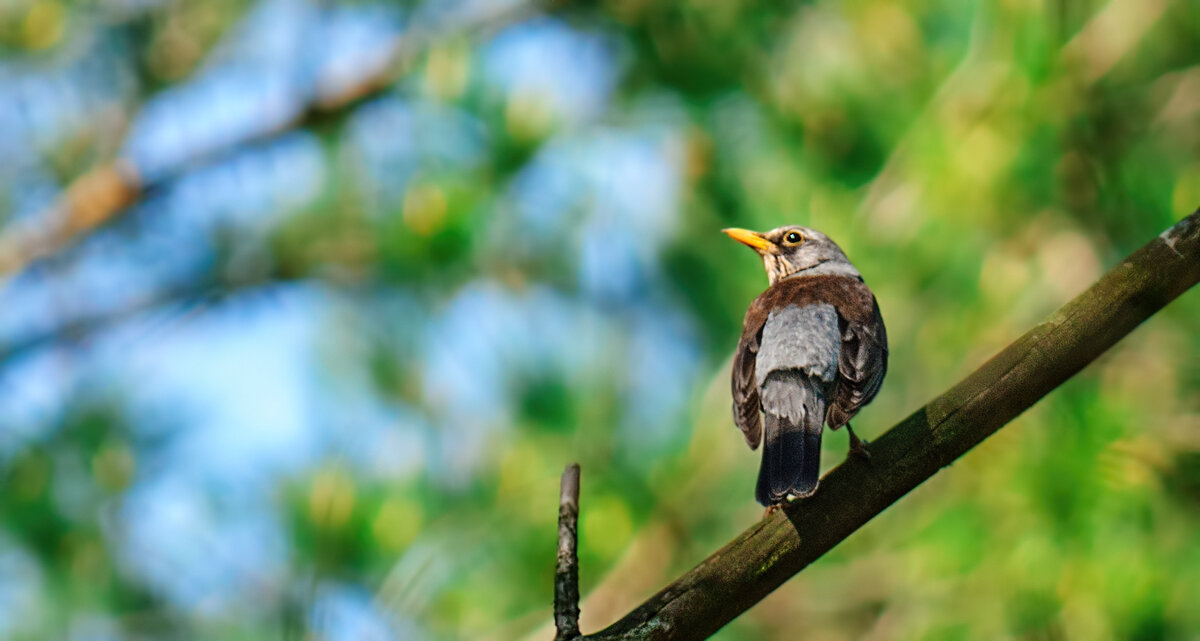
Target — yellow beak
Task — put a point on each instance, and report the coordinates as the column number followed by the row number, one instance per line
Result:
column 751, row 239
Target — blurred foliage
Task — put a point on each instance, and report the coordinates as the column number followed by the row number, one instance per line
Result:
column 321, row 384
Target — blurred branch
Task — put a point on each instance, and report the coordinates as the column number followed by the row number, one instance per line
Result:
column 106, row 192
column 566, row 574
column 174, row 301
column 760, row 559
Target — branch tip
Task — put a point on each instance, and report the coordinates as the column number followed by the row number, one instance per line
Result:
column 566, row 574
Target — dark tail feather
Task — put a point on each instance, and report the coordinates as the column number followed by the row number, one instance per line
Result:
column 791, row 462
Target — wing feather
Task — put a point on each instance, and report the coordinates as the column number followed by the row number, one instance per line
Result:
column 861, row 368
column 746, row 413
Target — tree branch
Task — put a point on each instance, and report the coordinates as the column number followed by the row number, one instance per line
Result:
column 171, row 302
column 566, row 575
column 760, row 559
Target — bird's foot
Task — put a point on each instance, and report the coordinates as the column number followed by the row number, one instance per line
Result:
column 860, row 450
column 858, row 446
column 771, row 509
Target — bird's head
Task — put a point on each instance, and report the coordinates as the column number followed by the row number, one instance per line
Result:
column 791, row 250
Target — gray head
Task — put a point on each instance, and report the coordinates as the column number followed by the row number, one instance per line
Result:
column 791, row 250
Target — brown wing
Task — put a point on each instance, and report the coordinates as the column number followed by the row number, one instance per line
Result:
column 861, row 365
column 746, row 408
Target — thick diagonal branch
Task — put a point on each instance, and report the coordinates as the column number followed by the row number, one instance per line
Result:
column 744, row 571
column 566, row 574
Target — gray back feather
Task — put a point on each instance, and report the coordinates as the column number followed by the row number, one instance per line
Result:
column 804, row 338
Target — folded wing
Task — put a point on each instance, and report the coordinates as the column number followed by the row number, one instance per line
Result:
column 862, row 364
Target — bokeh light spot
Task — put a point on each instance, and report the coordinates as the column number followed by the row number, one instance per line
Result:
column 397, row 523
column 607, row 525
column 31, row 476
column 425, row 209
column 1185, row 199
column 44, row 24
column 114, row 466
column 331, row 501
column 529, row 115
column 447, row 71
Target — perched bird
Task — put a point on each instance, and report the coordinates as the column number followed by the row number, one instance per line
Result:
column 813, row 351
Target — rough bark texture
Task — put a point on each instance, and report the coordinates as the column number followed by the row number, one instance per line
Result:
column 566, row 574
column 737, row 576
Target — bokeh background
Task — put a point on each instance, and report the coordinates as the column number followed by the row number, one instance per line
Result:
column 305, row 305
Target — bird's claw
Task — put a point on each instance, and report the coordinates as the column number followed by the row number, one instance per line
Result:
column 858, row 446
column 860, row 450
column 771, row 509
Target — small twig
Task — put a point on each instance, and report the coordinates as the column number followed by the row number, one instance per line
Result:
column 566, row 575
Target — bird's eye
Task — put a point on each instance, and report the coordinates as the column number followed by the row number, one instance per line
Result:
column 793, row 237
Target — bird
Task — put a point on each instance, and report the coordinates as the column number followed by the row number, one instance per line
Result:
column 813, row 351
